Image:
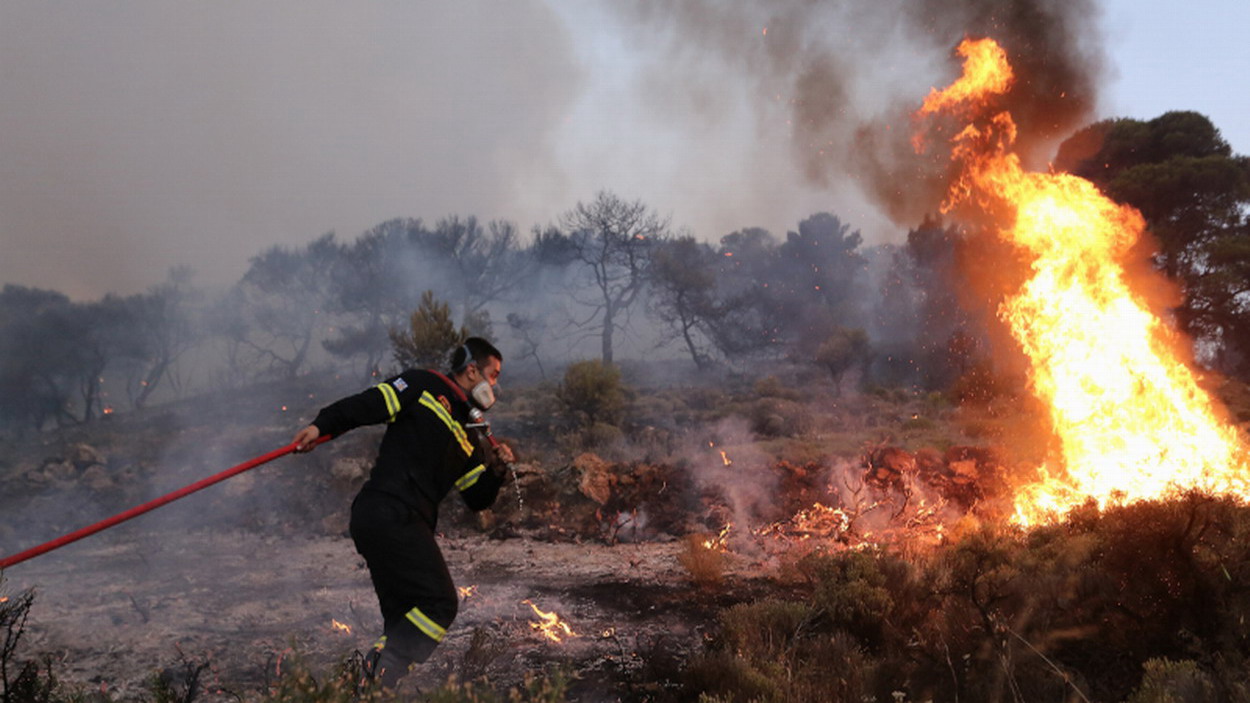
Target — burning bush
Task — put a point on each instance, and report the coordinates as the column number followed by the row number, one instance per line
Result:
column 701, row 557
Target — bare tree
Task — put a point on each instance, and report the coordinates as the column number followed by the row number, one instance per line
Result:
column 613, row 240
column 375, row 289
column 285, row 294
column 683, row 283
column 153, row 331
column 485, row 263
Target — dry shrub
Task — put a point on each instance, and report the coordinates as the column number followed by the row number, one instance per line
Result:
column 298, row 683
column 547, row 687
column 705, row 564
column 1168, row 681
column 779, row 651
column 485, row 646
column 25, row 681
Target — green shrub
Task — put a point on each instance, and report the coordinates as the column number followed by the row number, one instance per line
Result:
column 722, row 676
column 430, row 337
column 776, row 417
column 764, row 630
column 592, row 393
column 850, row 588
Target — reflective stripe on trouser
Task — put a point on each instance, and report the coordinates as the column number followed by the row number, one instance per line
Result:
column 415, row 591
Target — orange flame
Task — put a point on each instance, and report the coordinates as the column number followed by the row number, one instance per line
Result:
column 725, row 458
column 550, row 626
column 720, row 542
column 986, row 72
column 346, row 629
column 818, row 520
column 466, row 591
column 1131, row 419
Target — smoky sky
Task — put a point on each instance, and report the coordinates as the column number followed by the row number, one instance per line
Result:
column 845, row 78
column 142, row 135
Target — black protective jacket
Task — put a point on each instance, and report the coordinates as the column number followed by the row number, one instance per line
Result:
column 426, row 451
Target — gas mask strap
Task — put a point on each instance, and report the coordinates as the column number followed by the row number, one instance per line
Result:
column 468, row 359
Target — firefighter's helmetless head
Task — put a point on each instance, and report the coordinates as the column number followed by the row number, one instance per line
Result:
column 476, row 365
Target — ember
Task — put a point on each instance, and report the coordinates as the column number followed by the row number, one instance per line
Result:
column 467, row 591
column 346, row 629
column 1131, row 419
column 551, row 626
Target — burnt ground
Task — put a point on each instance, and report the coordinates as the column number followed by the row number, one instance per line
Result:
column 247, row 573
column 115, row 610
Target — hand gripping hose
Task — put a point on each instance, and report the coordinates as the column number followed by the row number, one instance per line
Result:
column 150, row 505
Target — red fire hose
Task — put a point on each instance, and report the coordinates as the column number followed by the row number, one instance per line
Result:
column 150, row 505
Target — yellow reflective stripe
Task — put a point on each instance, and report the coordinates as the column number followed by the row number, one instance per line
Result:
column 381, row 643
column 392, row 400
column 437, row 408
column 466, row 481
column 426, row 625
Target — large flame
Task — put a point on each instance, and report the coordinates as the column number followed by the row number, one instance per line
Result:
column 1131, row 418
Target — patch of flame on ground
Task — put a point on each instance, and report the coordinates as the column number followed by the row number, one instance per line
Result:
column 551, row 626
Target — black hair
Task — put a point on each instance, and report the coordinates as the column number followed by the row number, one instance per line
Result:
column 473, row 349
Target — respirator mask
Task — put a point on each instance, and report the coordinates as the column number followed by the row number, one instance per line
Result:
column 483, row 395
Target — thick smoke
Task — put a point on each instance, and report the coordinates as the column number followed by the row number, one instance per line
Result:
column 844, row 78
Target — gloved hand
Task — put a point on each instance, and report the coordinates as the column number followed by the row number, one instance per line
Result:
column 500, row 461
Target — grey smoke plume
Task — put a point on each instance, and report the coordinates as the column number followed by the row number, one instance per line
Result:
column 844, row 77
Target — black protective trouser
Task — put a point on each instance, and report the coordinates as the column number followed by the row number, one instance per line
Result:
column 415, row 590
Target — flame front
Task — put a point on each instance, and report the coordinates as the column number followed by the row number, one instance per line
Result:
column 1131, row 419
column 550, row 625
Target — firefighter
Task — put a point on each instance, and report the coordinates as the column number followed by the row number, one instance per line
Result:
column 430, row 447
